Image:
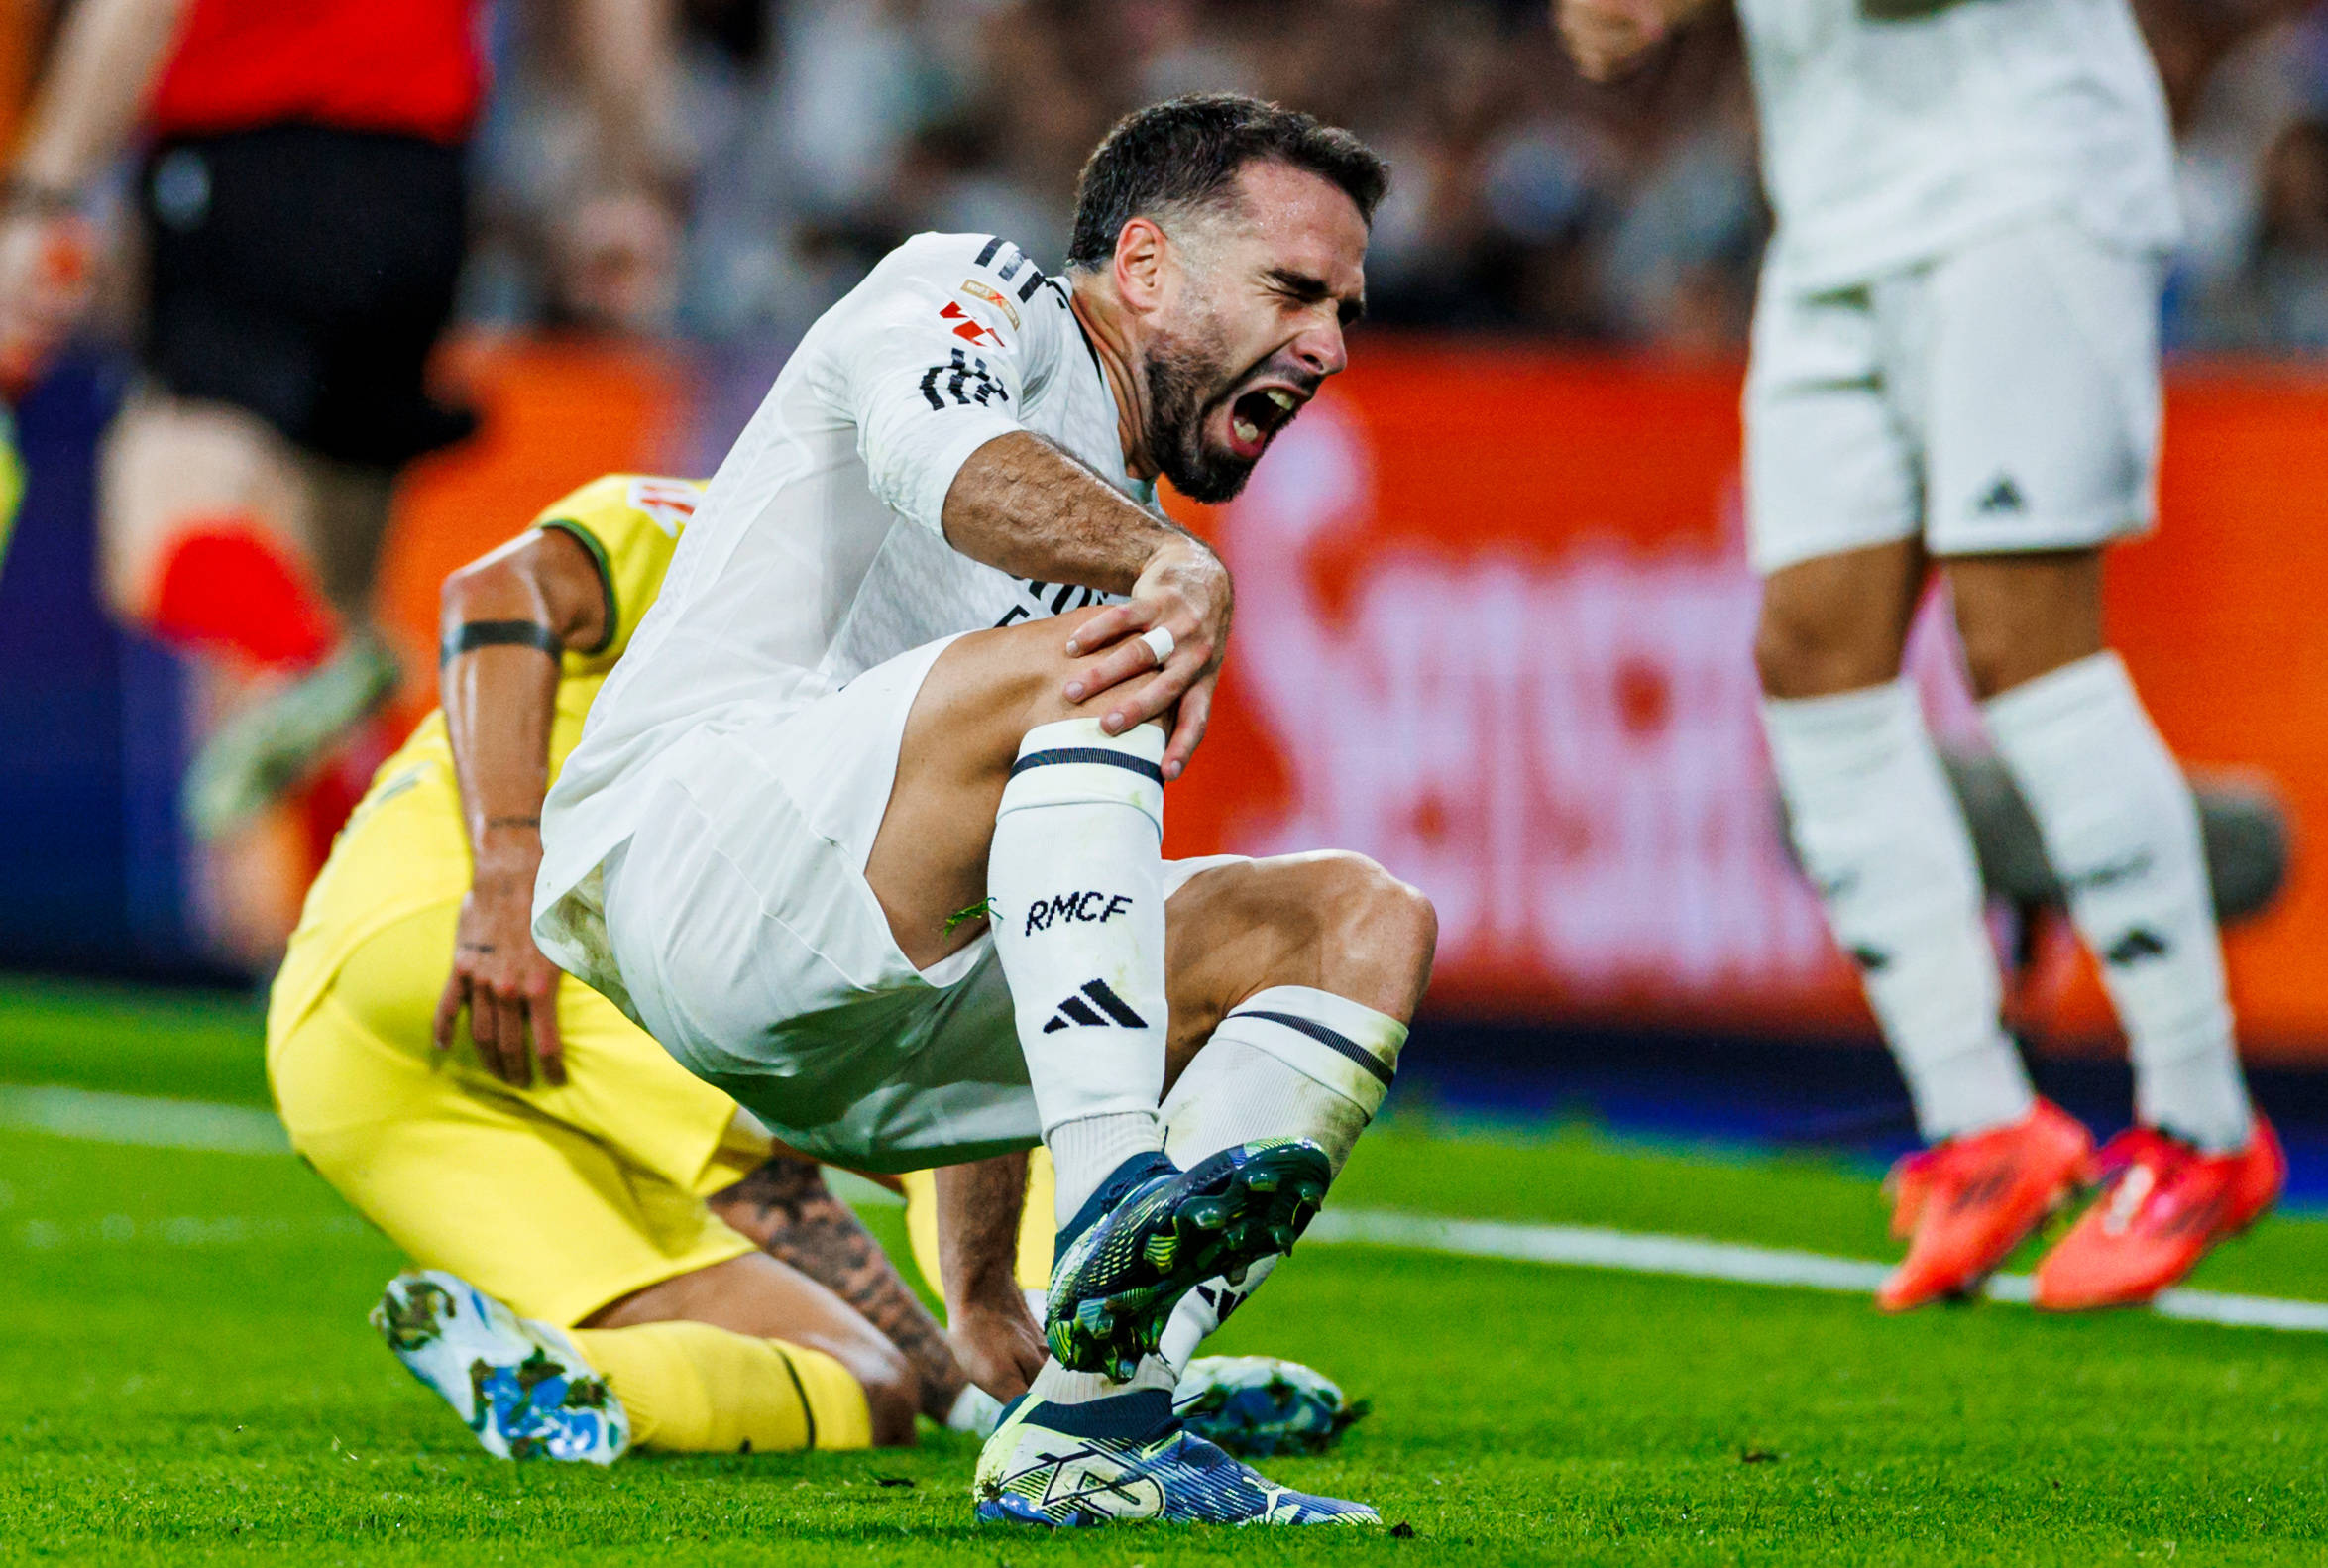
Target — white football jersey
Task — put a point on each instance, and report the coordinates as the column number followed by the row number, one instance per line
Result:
column 1885, row 143
column 817, row 553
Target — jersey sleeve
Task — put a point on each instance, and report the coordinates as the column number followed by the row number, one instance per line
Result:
column 938, row 358
column 630, row 524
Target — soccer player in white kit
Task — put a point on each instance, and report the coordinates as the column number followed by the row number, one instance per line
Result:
column 866, row 827
column 1955, row 362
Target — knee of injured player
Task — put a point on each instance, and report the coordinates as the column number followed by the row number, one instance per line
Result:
column 1305, row 1042
column 1330, row 920
column 1017, row 677
column 1382, row 933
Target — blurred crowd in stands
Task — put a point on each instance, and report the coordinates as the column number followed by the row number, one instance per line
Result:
column 802, row 137
column 809, row 135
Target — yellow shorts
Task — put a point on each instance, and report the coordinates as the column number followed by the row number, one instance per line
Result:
column 557, row 1200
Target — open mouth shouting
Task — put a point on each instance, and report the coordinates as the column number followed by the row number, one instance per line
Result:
column 1256, row 415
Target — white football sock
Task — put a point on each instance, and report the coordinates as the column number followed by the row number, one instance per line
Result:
column 1076, row 883
column 975, row 1411
column 1290, row 1062
column 1202, row 1311
column 1885, row 844
column 2123, row 833
column 1056, row 1384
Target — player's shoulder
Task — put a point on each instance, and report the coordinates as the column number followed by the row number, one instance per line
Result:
column 994, row 256
column 990, row 275
column 663, row 500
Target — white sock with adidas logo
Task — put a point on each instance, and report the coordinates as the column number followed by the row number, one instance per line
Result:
column 1885, row 844
column 1288, row 1062
column 1075, row 880
column 2123, row 833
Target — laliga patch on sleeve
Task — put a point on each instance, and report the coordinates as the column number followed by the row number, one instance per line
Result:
column 993, row 296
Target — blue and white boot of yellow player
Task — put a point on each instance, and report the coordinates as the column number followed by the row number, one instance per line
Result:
column 1257, row 1405
column 1128, row 1459
column 1152, row 1232
column 519, row 1386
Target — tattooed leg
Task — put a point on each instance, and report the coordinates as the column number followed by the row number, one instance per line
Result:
column 785, row 1207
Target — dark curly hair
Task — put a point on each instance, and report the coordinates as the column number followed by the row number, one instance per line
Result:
column 1183, row 155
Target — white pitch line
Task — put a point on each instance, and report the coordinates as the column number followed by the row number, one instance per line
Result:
column 240, row 1129
column 1690, row 1258
column 143, row 1120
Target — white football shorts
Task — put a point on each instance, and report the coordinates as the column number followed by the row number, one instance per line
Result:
column 753, row 947
column 2001, row 397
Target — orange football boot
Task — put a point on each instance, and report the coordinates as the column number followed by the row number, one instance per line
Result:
column 2164, row 1205
column 1965, row 1203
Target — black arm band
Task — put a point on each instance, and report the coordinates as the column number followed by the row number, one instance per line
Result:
column 475, row 635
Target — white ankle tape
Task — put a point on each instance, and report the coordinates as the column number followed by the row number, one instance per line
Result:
column 1075, row 762
column 1343, row 1045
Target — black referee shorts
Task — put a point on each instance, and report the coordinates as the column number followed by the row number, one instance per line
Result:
column 304, row 273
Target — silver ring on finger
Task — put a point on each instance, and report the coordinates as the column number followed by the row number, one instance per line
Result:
column 1160, row 643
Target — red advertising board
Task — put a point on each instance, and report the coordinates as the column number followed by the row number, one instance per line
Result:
column 1493, row 628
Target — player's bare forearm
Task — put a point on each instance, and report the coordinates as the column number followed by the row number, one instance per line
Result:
column 106, row 60
column 978, row 1212
column 1022, row 504
column 499, row 682
column 506, row 618
column 785, row 1207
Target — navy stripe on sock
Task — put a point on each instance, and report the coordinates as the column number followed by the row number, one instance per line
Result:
column 1099, row 754
column 1128, row 1417
column 1329, row 1037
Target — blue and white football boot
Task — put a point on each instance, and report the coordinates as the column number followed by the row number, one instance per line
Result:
column 1152, row 1232
column 1257, row 1405
column 519, row 1386
column 1125, row 1460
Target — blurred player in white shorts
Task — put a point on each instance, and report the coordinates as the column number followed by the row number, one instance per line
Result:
column 866, row 827
column 1955, row 362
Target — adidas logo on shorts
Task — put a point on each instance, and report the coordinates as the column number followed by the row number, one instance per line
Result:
column 2000, row 498
column 1095, row 1005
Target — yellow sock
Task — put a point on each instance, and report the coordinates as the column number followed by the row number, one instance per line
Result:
column 692, row 1389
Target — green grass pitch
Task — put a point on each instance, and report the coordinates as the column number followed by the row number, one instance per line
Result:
column 186, row 1374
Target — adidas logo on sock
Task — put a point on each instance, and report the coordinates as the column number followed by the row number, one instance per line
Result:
column 1087, row 1006
column 1223, row 1300
column 2135, row 947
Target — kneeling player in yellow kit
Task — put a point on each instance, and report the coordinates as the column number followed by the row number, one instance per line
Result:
column 583, row 1296
column 592, row 1244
